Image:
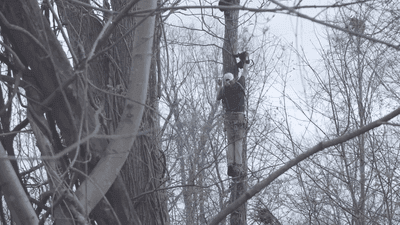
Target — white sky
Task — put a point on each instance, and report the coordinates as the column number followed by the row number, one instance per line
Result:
column 291, row 30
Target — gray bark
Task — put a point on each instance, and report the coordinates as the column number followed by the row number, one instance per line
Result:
column 238, row 187
column 145, row 168
column 17, row 201
column 104, row 174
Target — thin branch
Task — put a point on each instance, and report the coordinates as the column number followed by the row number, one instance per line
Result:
column 304, row 16
column 111, row 25
column 18, row 63
column 11, row 80
column 60, row 25
column 59, row 89
column 317, row 148
column 234, row 7
column 100, row 38
column 14, row 93
column 38, row 166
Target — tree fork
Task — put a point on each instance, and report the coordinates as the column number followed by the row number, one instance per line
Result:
column 92, row 190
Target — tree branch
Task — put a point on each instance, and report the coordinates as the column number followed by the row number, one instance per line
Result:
column 104, row 174
column 317, row 148
column 17, row 200
column 304, row 16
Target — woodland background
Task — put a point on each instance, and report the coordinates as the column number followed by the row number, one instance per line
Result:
column 91, row 87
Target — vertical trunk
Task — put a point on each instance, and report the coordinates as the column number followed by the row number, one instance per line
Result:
column 361, row 114
column 202, row 217
column 182, row 167
column 145, row 167
column 206, row 129
column 120, row 64
column 230, row 41
column 238, row 217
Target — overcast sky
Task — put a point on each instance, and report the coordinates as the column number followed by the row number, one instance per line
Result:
column 303, row 35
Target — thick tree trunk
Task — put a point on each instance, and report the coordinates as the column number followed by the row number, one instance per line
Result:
column 145, row 168
column 103, row 176
column 115, row 79
column 83, row 30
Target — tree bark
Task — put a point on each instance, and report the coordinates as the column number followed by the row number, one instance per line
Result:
column 145, row 168
column 17, row 201
column 238, row 185
column 230, row 40
column 104, row 174
column 83, row 31
column 46, row 67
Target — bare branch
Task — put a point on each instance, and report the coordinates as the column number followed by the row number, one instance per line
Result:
column 233, row 7
column 304, row 16
column 112, row 25
column 60, row 25
column 108, row 168
column 317, row 148
column 18, row 63
column 14, row 193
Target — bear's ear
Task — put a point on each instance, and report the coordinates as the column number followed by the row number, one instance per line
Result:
column 224, row 3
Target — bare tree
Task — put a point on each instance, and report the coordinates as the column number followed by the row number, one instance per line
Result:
column 81, row 84
column 67, row 105
column 355, row 69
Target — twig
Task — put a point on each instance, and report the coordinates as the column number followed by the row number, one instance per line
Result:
column 304, row 16
column 313, row 150
column 18, row 63
column 23, row 173
column 14, row 93
column 60, row 25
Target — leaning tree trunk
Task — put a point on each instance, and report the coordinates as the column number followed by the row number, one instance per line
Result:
column 145, row 168
column 112, row 73
column 238, row 186
column 106, row 171
column 83, row 30
column 17, row 201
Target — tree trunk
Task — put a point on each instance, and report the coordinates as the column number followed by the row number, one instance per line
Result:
column 104, row 174
column 187, row 191
column 145, row 168
column 17, row 201
column 230, row 40
column 46, row 67
column 49, row 68
column 238, row 185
